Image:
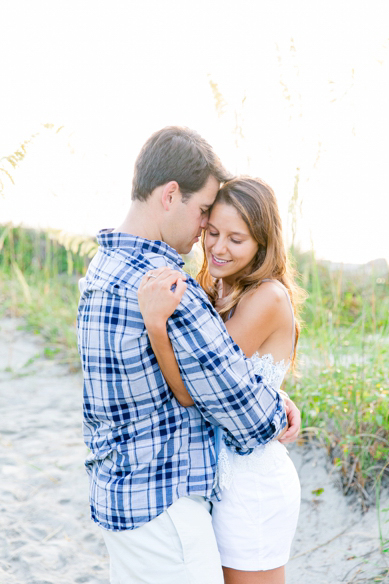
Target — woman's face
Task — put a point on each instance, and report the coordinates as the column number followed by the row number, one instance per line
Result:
column 229, row 246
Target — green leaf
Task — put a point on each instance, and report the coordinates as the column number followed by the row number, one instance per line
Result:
column 317, row 492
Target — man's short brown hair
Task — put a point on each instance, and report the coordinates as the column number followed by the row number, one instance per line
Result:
column 179, row 154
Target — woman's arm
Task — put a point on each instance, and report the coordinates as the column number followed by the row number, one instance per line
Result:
column 155, row 310
column 163, row 350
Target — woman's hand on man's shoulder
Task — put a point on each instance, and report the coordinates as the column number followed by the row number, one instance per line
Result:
column 159, row 294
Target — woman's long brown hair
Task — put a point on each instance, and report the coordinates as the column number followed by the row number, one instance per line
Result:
column 257, row 205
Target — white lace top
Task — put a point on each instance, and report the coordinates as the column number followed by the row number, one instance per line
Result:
column 264, row 457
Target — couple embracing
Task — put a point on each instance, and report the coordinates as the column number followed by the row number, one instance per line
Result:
column 184, row 414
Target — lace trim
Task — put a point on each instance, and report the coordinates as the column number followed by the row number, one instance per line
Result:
column 224, row 472
column 262, row 461
column 273, row 373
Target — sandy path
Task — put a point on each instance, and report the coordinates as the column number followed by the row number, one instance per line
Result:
column 46, row 536
column 351, row 540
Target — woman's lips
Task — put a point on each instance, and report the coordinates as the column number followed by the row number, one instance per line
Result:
column 219, row 263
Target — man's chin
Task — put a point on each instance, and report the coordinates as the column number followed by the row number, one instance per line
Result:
column 186, row 249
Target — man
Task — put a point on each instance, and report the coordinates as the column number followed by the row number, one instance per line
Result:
column 152, row 461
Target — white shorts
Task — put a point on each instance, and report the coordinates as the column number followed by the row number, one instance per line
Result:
column 177, row 547
column 256, row 519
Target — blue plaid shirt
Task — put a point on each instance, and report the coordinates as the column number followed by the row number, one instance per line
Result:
column 146, row 450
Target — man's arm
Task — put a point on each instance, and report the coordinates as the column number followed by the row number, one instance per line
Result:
column 216, row 373
column 220, row 380
column 163, row 350
column 161, row 345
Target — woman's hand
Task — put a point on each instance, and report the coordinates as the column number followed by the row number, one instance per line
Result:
column 157, row 301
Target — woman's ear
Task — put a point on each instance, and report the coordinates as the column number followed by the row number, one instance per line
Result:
column 170, row 193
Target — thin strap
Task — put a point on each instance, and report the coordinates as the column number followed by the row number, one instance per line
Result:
column 292, row 311
column 231, row 313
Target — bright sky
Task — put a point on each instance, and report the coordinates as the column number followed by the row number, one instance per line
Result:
column 315, row 76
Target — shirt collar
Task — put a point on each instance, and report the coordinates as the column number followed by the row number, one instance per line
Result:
column 125, row 241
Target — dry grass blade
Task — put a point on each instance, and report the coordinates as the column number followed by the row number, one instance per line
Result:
column 8, row 174
column 52, row 534
column 352, row 473
column 23, row 282
column 4, row 235
column 324, row 543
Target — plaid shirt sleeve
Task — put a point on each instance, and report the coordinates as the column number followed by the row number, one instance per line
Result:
column 220, row 379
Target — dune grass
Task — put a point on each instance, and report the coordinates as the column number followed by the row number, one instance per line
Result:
column 39, row 274
column 342, row 388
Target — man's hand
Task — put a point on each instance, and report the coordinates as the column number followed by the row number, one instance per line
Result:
column 294, row 422
column 157, row 301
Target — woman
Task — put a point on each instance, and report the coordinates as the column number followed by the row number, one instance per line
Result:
column 247, row 276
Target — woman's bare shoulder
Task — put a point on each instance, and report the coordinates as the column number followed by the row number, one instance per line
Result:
column 259, row 314
column 269, row 295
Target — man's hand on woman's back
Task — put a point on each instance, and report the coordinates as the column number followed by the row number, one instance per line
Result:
column 294, row 422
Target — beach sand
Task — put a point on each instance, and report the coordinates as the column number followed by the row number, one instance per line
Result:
column 46, row 536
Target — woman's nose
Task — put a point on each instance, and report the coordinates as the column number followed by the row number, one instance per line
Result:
column 219, row 247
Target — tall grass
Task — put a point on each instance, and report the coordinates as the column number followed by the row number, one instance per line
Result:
column 343, row 387
column 39, row 274
column 343, row 391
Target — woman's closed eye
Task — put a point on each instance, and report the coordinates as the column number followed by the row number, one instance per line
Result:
column 215, row 234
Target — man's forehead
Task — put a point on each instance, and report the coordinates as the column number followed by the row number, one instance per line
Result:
column 210, row 190
column 208, row 200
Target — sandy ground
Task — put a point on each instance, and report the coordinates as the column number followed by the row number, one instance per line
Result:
column 46, row 536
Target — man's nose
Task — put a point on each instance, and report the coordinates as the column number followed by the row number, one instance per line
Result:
column 204, row 222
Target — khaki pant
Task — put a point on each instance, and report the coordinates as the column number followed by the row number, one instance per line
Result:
column 177, row 547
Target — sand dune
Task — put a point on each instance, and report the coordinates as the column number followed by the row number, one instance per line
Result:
column 46, row 536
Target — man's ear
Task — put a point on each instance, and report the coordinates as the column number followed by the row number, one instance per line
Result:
column 170, row 193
